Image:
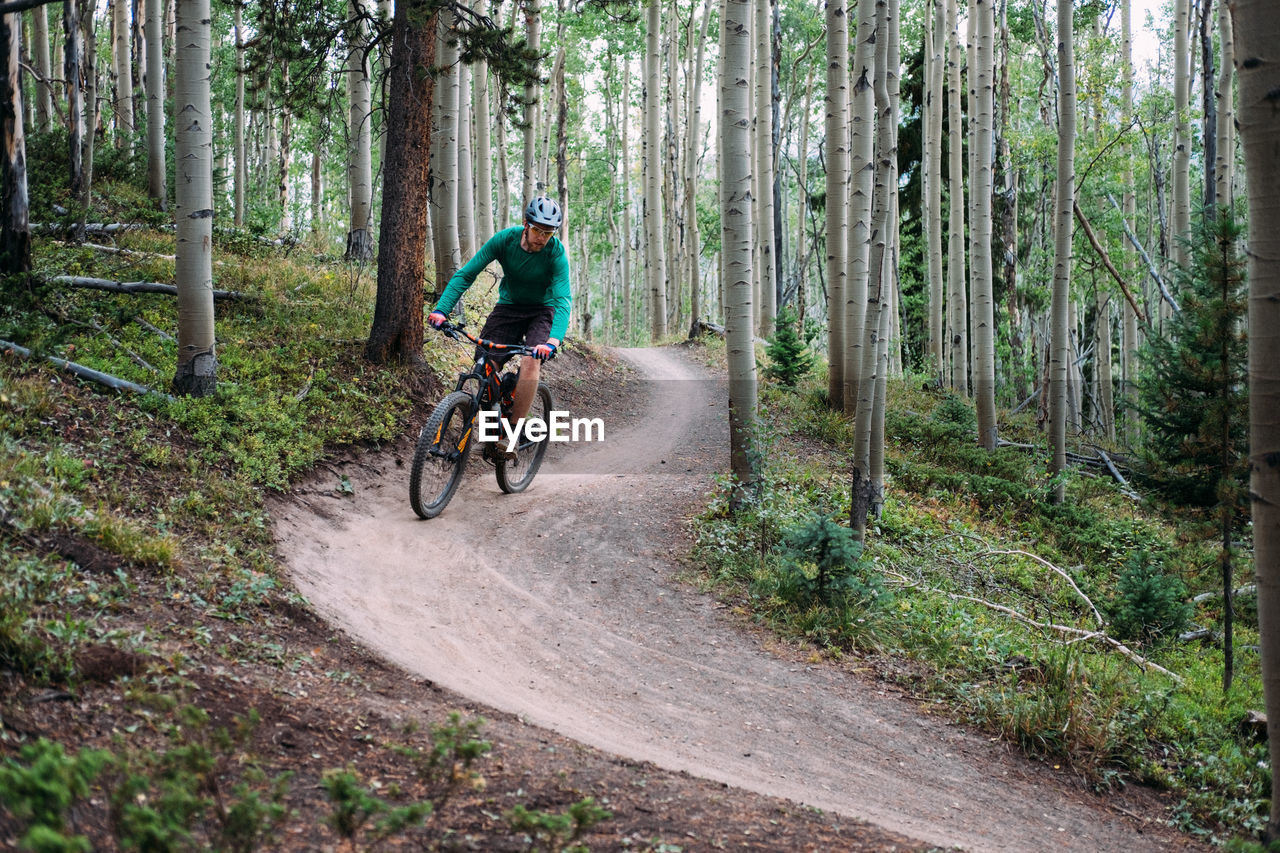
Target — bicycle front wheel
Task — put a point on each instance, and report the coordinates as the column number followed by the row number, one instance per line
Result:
column 515, row 475
column 441, row 455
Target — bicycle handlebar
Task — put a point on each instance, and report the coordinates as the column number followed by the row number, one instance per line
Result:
column 453, row 330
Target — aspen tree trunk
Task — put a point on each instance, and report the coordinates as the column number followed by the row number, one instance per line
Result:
column 444, row 159
column 672, row 213
column 1257, row 32
column 123, row 73
column 1060, row 343
column 655, row 234
column 693, row 129
column 837, row 177
column 241, row 153
column 465, row 185
column 286, row 155
column 15, row 227
column 88, row 64
column 196, row 373
column 502, row 214
column 935, row 48
column 957, row 298
column 1129, row 357
column 862, row 166
column 984, row 337
column 894, row 335
column 862, row 487
column 153, row 82
column 628, row 309
column 1103, row 369
column 533, row 33
column 1181, row 223
column 764, row 168
column 802, row 200
column 44, row 67
column 317, row 186
column 484, row 152
column 360, row 140
column 735, row 235
column 1225, row 128
column 1009, row 215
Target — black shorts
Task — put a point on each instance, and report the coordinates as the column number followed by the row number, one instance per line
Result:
column 518, row 324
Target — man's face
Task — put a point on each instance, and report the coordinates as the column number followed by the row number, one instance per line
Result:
column 535, row 236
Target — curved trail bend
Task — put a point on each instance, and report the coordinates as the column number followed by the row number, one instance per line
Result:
column 559, row 605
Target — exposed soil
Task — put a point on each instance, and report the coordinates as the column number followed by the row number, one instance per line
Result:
column 559, row 615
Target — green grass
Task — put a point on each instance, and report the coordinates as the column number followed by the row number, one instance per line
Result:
column 953, row 547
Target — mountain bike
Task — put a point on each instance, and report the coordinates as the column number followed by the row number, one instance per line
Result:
column 445, row 442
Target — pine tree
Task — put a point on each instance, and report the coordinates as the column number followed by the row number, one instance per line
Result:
column 789, row 356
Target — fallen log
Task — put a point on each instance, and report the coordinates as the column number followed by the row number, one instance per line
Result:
column 79, row 370
column 135, row 286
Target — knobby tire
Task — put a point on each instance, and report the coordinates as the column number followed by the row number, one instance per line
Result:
column 515, row 475
column 441, row 455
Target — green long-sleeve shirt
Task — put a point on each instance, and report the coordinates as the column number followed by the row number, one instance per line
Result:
column 528, row 278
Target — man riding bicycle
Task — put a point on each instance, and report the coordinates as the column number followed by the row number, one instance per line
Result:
column 534, row 297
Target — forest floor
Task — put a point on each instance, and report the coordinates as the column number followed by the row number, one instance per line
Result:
column 565, row 618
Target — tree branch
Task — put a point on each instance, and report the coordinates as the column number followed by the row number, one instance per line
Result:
column 135, row 286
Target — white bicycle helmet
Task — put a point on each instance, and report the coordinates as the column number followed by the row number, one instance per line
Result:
column 544, row 211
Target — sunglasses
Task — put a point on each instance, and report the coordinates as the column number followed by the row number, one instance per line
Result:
column 545, row 232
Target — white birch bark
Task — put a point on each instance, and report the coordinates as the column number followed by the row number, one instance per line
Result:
column 482, row 122
column 655, row 234
column 153, row 82
column 533, row 34
column 196, row 373
column 466, row 183
column 44, row 67
column 693, row 131
column 764, row 168
column 1129, row 352
column 984, row 338
column 444, row 145
column 359, row 140
column 862, row 128
column 1060, row 343
column 1257, row 32
column 934, row 94
column 628, row 309
column 1181, row 220
column 1225, row 166
column 735, row 235
column 123, row 72
column 837, row 156
column 957, row 294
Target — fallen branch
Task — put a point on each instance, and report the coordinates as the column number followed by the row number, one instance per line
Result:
column 1111, row 268
column 83, row 372
column 150, row 328
column 134, row 286
column 1115, row 472
column 1151, row 267
column 1247, row 589
column 1053, row 568
column 116, row 250
column 1079, row 633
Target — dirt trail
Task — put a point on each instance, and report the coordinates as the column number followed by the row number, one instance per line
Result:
column 570, row 618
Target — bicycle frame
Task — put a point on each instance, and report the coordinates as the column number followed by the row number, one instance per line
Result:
column 486, row 369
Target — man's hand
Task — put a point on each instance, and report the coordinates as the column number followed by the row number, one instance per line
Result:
column 542, row 352
column 436, row 319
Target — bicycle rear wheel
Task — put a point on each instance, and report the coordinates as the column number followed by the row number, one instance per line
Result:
column 441, row 455
column 515, row 475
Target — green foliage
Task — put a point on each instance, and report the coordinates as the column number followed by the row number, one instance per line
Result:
column 446, row 766
column 1149, row 605
column 40, row 787
column 822, row 562
column 355, row 805
column 789, row 357
column 1193, row 395
column 554, row 833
